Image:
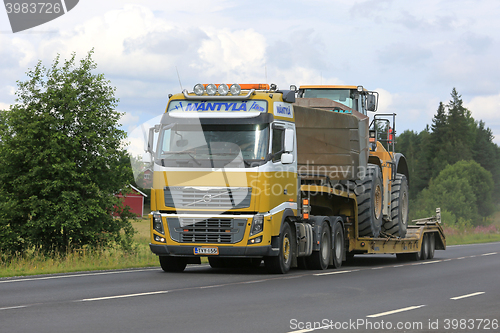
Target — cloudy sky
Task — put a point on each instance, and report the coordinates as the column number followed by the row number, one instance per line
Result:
column 412, row 52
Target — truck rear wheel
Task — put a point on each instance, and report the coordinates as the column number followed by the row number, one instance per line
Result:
column 399, row 207
column 172, row 264
column 321, row 259
column 338, row 244
column 369, row 193
column 281, row 264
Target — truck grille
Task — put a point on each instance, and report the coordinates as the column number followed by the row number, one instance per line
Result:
column 211, row 230
column 207, row 197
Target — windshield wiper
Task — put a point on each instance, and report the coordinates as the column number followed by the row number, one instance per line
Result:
column 236, row 155
column 183, row 152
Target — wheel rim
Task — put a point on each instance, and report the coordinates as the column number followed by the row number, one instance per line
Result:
column 404, row 208
column 286, row 248
column 324, row 246
column 338, row 245
column 378, row 201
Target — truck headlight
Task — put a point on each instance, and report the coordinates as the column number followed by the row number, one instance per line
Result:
column 158, row 224
column 257, row 224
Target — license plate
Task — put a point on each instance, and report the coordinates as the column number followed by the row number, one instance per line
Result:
column 206, row 250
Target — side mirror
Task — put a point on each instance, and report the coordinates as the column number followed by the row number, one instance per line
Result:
column 289, row 139
column 371, row 102
column 146, row 158
column 150, row 142
column 286, row 158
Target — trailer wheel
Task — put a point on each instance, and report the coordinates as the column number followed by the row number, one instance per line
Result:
column 369, row 193
column 414, row 256
column 424, row 251
column 432, row 245
column 172, row 264
column 338, row 244
column 399, row 207
column 281, row 263
column 321, row 259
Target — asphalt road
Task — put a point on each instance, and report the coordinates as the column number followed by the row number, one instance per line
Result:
column 457, row 291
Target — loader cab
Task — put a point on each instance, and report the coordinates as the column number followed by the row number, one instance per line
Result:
column 354, row 97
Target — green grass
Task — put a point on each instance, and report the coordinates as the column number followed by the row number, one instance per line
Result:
column 473, row 235
column 83, row 260
column 34, row 264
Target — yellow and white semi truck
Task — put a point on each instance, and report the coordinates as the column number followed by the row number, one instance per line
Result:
column 297, row 178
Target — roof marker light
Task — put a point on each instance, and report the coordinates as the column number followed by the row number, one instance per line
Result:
column 211, row 89
column 199, row 89
column 223, row 89
column 235, row 89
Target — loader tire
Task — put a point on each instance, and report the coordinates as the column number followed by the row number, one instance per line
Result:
column 399, row 208
column 369, row 194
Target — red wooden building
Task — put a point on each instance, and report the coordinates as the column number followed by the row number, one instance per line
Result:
column 135, row 200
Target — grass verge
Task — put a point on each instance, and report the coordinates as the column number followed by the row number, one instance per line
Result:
column 83, row 260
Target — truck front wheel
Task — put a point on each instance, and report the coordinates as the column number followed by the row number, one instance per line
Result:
column 172, row 264
column 281, row 264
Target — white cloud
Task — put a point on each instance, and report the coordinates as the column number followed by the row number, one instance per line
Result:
column 487, row 109
column 129, row 120
column 4, row 106
column 232, row 55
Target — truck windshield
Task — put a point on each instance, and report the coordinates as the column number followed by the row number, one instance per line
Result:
column 213, row 146
column 338, row 95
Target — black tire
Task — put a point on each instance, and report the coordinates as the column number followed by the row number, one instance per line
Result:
column 369, row 194
column 415, row 256
column 281, row 263
column 216, row 262
column 321, row 259
column 424, row 251
column 432, row 245
column 173, row 264
column 399, row 207
column 338, row 244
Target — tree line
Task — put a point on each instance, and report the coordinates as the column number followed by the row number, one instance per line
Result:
column 62, row 162
column 453, row 164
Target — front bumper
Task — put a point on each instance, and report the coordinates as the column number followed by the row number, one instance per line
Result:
column 224, row 251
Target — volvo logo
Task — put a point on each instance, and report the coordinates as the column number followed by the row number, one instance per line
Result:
column 207, row 198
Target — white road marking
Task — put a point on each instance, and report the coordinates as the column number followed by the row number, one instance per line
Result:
column 469, row 295
column 489, row 254
column 395, row 311
column 431, row 262
column 76, row 275
column 14, row 307
column 123, row 296
column 336, row 272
